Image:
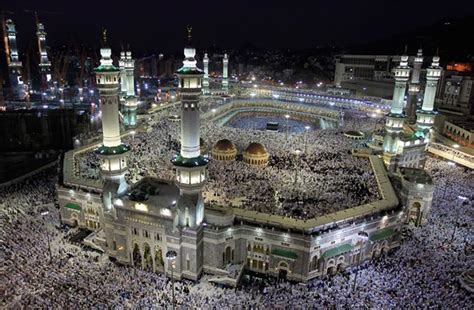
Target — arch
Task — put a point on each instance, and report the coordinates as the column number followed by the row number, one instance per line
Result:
column 228, row 255
column 340, row 266
column 147, row 258
column 136, row 255
column 283, row 265
column 331, row 270
column 314, row 263
column 159, row 257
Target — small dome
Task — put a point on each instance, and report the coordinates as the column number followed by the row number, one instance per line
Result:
column 255, row 148
column 224, row 145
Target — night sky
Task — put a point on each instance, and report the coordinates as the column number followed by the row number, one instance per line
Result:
column 160, row 25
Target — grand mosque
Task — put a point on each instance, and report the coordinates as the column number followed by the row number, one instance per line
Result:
column 164, row 225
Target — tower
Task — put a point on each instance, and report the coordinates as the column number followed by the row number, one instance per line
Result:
column 414, row 89
column 426, row 116
column 44, row 63
column 394, row 122
column 190, row 166
column 205, row 81
column 225, row 74
column 14, row 64
column 112, row 152
column 123, row 87
column 131, row 101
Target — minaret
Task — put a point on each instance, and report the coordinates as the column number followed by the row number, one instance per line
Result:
column 205, row 81
column 426, row 116
column 225, row 74
column 131, row 101
column 190, row 166
column 112, row 153
column 394, row 122
column 13, row 61
column 123, row 87
column 414, row 89
column 44, row 64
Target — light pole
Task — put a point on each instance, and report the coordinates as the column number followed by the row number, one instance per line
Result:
column 44, row 213
column 455, row 146
column 286, row 135
column 362, row 236
column 462, row 198
column 307, row 128
column 452, row 164
column 171, row 257
column 297, row 152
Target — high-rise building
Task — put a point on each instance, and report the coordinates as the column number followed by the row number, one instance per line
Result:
column 456, row 93
column 17, row 85
column 44, row 64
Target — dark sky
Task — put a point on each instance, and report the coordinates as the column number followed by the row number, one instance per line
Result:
column 160, row 25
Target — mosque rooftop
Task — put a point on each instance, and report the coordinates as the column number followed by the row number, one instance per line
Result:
column 150, row 195
column 416, row 175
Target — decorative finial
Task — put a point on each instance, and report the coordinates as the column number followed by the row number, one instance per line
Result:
column 437, row 51
column 406, row 49
column 190, row 29
column 104, row 36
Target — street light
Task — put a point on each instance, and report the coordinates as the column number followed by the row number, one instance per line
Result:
column 361, row 236
column 456, row 146
column 297, row 153
column 307, row 128
column 171, row 257
column 287, row 117
column 44, row 213
column 462, row 198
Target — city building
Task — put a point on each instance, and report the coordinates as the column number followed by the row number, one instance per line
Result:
column 460, row 131
column 456, row 93
column 18, row 87
column 368, row 75
column 44, row 63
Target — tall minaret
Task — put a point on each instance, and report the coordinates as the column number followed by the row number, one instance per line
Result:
column 225, row 74
column 123, row 83
column 13, row 61
column 426, row 116
column 112, row 153
column 205, row 82
column 394, row 122
column 131, row 101
column 190, row 166
column 414, row 88
column 44, row 64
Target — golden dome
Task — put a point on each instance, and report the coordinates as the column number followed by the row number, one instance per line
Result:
column 255, row 148
column 224, row 145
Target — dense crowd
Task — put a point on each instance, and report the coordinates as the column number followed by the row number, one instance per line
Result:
column 329, row 178
column 421, row 273
column 326, row 178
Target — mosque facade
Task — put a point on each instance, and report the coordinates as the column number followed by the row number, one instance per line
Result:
column 162, row 225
